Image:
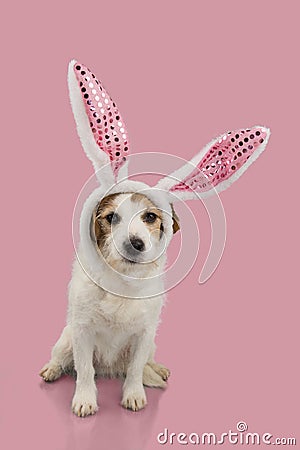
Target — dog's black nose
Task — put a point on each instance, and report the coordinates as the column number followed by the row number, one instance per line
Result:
column 137, row 243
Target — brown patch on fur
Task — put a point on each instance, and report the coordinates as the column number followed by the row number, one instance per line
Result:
column 152, row 208
column 100, row 226
column 175, row 218
column 149, row 207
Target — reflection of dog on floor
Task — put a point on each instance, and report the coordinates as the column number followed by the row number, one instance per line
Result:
column 117, row 288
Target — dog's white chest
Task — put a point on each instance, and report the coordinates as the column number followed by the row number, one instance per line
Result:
column 123, row 314
column 117, row 320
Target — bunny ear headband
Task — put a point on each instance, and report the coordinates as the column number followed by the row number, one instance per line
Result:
column 105, row 140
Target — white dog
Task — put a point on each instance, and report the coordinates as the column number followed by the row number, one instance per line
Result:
column 117, row 290
column 113, row 334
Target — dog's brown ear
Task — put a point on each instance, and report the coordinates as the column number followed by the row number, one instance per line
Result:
column 175, row 218
column 94, row 226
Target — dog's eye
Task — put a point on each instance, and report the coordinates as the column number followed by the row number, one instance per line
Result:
column 150, row 217
column 113, row 218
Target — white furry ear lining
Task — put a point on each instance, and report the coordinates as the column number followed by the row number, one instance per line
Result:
column 218, row 165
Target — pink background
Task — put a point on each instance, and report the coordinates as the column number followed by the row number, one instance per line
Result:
column 181, row 73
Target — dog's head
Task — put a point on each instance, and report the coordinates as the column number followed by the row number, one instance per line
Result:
column 128, row 229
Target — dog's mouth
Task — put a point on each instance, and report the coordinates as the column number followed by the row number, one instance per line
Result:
column 130, row 260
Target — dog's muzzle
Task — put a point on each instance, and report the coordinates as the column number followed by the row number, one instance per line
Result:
column 133, row 248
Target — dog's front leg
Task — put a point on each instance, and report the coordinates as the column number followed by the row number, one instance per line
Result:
column 85, row 397
column 134, row 396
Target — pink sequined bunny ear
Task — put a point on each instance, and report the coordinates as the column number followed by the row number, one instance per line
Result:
column 99, row 124
column 218, row 165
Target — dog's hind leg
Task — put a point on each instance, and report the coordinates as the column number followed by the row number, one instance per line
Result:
column 61, row 357
column 159, row 369
column 152, row 379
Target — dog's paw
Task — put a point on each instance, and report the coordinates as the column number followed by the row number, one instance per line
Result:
column 152, row 379
column 50, row 372
column 134, row 399
column 161, row 370
column 84, row 405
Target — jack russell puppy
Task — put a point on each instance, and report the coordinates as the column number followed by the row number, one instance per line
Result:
column 117, row 288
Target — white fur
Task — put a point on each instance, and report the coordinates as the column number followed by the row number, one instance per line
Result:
column 116, row 332
column 119, row 330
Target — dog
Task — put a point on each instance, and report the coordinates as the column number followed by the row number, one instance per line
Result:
column 106, row 334
column 116, row 292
